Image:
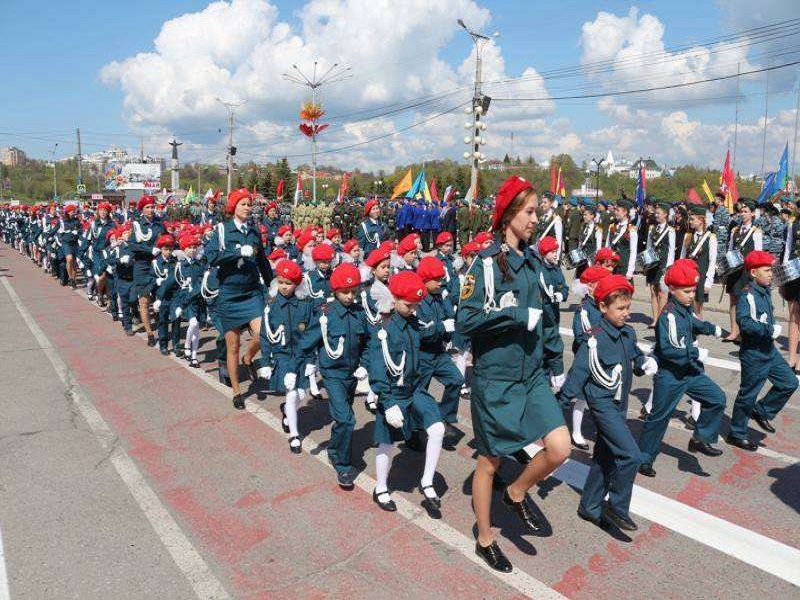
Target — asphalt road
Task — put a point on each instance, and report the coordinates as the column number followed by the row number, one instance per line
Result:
column 127, row 474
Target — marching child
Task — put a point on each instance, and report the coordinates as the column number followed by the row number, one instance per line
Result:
column 163, row 266
column 602, row 373
column 188, row 302
column 554, row 292
column 316, row 284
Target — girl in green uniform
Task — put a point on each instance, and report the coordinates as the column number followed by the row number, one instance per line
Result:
column 513, row 406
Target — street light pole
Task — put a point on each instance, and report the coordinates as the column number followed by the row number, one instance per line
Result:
column 229, row 106
column 477, row 109
column 55, row 185
column 597, row 178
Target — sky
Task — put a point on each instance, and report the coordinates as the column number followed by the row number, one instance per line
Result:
column 155, row 69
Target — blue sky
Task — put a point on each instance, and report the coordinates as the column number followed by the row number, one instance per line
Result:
column 53, row 81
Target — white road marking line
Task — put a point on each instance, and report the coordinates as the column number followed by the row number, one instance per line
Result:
column 186, row 557
column 4, row 592
column 517, row 579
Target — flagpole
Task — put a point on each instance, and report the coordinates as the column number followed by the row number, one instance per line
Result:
column 736, row 123
column 794, row 147
column 764, row 143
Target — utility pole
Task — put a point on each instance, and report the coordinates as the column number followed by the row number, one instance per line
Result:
column 764, row 143
column 597, row 178
column 480, row 105
column 794, row 146
column 736, row 122
column 55, row 185
column 80, row 157
column 333, row 75
column 230, row 106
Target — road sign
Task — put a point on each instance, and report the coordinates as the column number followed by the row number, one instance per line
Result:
column 81, row 188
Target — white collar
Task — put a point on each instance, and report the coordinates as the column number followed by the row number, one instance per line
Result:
column 239, row 225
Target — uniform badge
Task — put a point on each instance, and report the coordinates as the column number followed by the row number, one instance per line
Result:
column 301, row 326
column 469, row 287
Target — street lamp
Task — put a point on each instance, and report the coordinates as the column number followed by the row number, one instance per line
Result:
column 377, row 184
column 597, row 178
column 55, row 185
column 325, row 190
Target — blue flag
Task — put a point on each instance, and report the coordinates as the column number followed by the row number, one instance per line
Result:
column 769, row 189
column 641, row 188
column 782, row 177
column 418, row 186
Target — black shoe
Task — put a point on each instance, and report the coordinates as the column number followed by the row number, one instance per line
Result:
column 742, row 443
column 494, row 557
column 194, row 363
column 284, row 421
column 238, row 402
column 296, row 449
column 643, row 414
column 763, row 423
column 151, row 340
column 584, row 446
column 593, row 520
column 389, row 506
column 415, row 442
column 647, row 470
column 523, row 510
column 371, row 408
column 346, row 479
column 618, row 521
column 224, row 380
column 435, row 503
column 115, row 317
column 702, row 447
column 690, row 423
column 129, row 332
column 164, row 350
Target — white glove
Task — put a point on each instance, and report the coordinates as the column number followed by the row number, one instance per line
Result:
column 156, row 305
column 394, row 417
column 159, row 280
column 360, row 373
column 650, row 366
column 88, row 272
column 124, row 259
column 156, row 251
column 109, row 270
column 557, row 382
column 265, row 372
column 178, row 312
column 717, row 331
column 449, row 325
column 702, row 354
column 534, row 314
column 310, row 370
column 80, row 263
column 763, row 318
column 776, row 331
column 507, row 300
column 246, row 251
column 290, row 381
column 558, row 297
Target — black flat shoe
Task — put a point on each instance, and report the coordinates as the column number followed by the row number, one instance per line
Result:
column 593, row 520
column 388, row 506
column 430, row 504
column 523, row 510
column 284, row 420
column 584, row 446
column 618, row 521
column 690, row 423
column 371, row 407
column 494, row 557
column 164, row 351
column 238, row 402
column 194, row 363
column 742, row 443
column 647, row 470
column 702, row 447
column 295, row 448
column 151, row 340
column 346, row 480
column 763, row 423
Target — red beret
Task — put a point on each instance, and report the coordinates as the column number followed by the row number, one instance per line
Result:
column 611, row 284
column 272, row 205
column 165, row 240
column 509, row 190
column 289, row 270
column 682, row 274
column 349, row 245
column 430, row 268
column 606, row 253
column 443, row 238
column 408, row 286
column 322, row 252
column 283, row 229
column 758, row 258
column 345, row 276
column 377, row 256
column 67, row 209
column 235, row 197
column 547, row 244
column 483, row 237
column 369, row 206
column 188, row 240
column 594, row 274
column 303, row 239
column 104, row 206
column 332, row 232
column 469, row 248
column 113, row 231
column 277, row 254
column 145, row 201
column 407, row 244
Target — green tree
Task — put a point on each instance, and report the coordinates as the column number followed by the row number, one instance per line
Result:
column 264, row 184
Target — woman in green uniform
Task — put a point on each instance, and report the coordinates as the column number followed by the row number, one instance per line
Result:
column 512, row 404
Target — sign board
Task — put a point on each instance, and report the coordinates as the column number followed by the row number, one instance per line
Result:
column 97, row 196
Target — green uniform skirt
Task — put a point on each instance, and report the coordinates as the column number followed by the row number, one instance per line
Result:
column 509, row 415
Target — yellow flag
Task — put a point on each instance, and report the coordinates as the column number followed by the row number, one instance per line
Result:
column 403, row 186
column 707, row 192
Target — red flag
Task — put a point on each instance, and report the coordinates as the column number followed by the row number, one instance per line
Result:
column 279, row 190
column 693, row 197
column 298, row 192
column 553, row 177
column 434, row 191
column 560, row 186
column 343, row 188
column 728, row 183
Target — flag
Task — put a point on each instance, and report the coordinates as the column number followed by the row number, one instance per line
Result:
column 426, row 191
column 560, row 186
column 782, row 177
column 298, row 191
column 279, row 190
column 403, row 186
column 693, row 197
column 707, row 192
column 434, row 191
column 641, row 186
column 190, row 197
column 472, row 192
column 770, row 187
column 728, row 183
column 553, row 177
column 343, row 188
column 449, row 192
column 418, row 186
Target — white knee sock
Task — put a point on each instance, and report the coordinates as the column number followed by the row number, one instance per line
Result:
column 291, row 412
column 696, row 410
column 577, row 421
column 193, row 336
column 432, row 451
column 383, row 459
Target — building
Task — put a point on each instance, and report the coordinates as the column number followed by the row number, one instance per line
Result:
column 651, row 169
column 12, row 157
column 626, row 168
